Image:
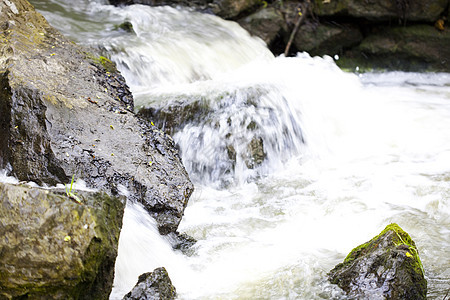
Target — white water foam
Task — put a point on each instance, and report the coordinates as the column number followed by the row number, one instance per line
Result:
column 377, row 150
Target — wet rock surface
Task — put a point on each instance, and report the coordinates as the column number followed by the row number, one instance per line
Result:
column 386, row 267
column 65, row 111
column 154, row 285
column 182, row 242
column 55, row 248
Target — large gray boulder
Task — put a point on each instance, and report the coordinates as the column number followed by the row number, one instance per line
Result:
column 65, row 110
column 154, row 285
column 386, row 267
column 52, row 247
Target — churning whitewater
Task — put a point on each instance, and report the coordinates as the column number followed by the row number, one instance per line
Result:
column 345, row 154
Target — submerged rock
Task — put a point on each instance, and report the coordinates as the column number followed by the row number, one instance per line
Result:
column 182, row 242
column 233, row 126
column 66, row 111
column 51, row 247
column 255, row 153
column 154, row 285
column 386, row 267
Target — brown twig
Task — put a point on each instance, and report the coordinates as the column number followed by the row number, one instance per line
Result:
column 302, row 16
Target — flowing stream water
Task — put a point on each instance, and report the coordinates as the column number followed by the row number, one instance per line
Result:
column 345, row 155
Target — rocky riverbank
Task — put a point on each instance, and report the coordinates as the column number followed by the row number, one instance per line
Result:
column 66, row 112
column 402, row 35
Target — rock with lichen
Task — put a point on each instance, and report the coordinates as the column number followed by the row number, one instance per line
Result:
column 53, row 247
column 386, row 267
column 65, row 110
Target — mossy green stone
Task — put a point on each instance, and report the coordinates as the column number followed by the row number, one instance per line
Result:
column 55, row 248
column 401, row 238
column 386, row 267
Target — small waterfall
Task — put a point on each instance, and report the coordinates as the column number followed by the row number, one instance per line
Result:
column 295, row 162
column 231, row 131
column 171, row 47
column 141, row 249
column 249, row 122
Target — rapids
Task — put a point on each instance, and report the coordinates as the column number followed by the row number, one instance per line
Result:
column 346, row 154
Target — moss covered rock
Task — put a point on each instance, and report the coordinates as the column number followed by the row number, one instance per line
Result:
column 154, row 285
column 386, row 267
column 52, row 247
column 66, row 110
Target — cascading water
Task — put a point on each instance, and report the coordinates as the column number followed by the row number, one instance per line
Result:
column 343, row 155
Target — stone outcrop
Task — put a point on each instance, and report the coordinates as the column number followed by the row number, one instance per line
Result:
column 386, row 267
column 154, row 285
column 65, row 111
column 52, row 247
